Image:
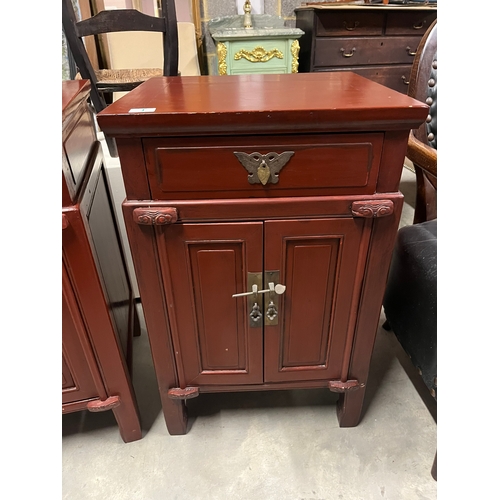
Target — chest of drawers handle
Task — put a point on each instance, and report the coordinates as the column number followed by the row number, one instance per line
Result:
column 348, row 54
column 350, row 26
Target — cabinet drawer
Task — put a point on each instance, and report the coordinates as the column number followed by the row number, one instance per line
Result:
column 394, row 77
column 368, row 50
column 349, row 23
column 318, row 165
column 264, row 56
column 409, row 23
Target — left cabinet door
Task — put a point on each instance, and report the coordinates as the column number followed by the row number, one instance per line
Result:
column 203, row 265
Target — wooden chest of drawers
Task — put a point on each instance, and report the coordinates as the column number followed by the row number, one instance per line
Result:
column 261, row 212
column 378, row 42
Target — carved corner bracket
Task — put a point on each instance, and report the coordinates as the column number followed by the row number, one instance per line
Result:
column 187, row 393
column 371, row 209
column 155, row 217
column 347, row 386
column 107, row 404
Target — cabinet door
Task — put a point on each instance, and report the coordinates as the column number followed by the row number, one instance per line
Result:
column 77, row 380
column 203, row 265
column 318, row 261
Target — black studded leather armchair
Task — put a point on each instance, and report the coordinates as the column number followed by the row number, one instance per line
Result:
column 410, row 301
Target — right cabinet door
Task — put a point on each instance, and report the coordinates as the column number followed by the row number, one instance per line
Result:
column 321, row 263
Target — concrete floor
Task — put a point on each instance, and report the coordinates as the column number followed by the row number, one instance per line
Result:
column 264, row 446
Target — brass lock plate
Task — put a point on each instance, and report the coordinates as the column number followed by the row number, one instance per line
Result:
column 255, row 320
column 271, row 300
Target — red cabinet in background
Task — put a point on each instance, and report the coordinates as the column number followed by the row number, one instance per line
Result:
column 99, row 315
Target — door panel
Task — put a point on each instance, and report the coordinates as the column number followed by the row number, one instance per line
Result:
column 77, row 380
column 317, row 260
column 208, row 263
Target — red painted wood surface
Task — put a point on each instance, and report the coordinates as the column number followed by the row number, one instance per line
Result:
column 78, row 138
column 203, row 265
column 317, row 260
column 317, row 166
column 98, row 311
column 260, row 104
column 327, row 225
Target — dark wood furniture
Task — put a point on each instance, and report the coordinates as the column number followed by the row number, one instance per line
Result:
column 106, row 81
column 280, row 187
column 410, row 300
column 376, row 41
column 99, row 316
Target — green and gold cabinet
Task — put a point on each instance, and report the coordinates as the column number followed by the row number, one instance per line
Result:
column 267, row 47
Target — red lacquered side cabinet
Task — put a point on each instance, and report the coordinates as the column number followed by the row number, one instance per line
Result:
column 261, row 212
column 99, row 315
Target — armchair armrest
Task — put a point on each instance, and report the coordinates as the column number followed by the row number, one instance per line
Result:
column 422, row 155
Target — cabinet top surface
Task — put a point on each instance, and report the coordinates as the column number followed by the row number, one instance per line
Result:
column 71, row 89
column 246, row 103
column 363, row 6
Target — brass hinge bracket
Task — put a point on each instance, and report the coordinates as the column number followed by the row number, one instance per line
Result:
column 155, row 217
column 187, row 393
column 372, row 208
column 347, row 386
column 107, row 404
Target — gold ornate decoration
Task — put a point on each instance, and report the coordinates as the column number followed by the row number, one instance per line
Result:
column 259, row 54
column 221, row 55
column 295, row 56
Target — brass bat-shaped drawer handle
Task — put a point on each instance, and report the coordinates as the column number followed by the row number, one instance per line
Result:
column 263, row 168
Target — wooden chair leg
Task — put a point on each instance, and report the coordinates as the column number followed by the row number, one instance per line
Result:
column 111, row 143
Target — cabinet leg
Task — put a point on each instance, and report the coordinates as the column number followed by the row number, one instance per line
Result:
column 176, row 417
column 434, row 470
column 349, row 407
column 127, row 417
